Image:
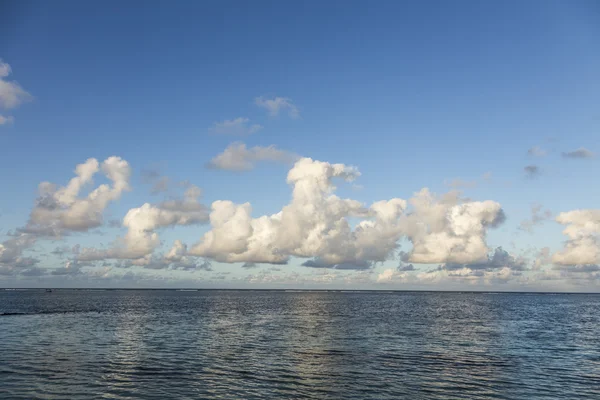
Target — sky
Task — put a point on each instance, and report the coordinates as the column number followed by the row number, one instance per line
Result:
column 337, row 145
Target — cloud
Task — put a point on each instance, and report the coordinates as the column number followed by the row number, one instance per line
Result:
column 532, row 171
column 11, row 93
column 34, row 271
column 583, row 231
column 499, row 259
column 6, row 120
column 536, row 151
column 315, row 225
column 160, row 184
column 235, row 127
column 142, row 222
column 237, row 157
column 313, row 221
column 391, row 275
column 12, row 260
column 177, row 258
column 467, row 275
column 72, row 267
column 352, row 265
column 537, row 218
column 543, row 258
column 499, row 267
column 60, row 251
column 60, row 210
column 405, row 267
column 580, row 153
column 277, row 104
column 448, row 229
column 249, row 265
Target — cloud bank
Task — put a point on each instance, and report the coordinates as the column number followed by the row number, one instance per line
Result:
column 317, row 229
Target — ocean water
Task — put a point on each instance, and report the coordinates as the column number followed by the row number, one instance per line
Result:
column 274, row 344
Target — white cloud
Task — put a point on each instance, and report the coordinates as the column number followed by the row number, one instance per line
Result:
column 5, row 69
column 392, row 275
column 11, row 93
column 583, row 231
column 6, row 120
column 142, row 222
column 59, row 210
column 315, row 225
column 581, row 152
column 238, row 157
column 448, row 229
column 235, row 127
column 277, row 104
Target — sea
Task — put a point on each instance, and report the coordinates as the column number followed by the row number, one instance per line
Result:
column 228, row 344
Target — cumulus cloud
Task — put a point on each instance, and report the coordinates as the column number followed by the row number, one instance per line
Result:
column 315, row 225
column 536, row 151
column 448, row 229
column 142, row 222
column 11, row 93
column 238, row 157
column 235, row 127
column 12, row 260
column 312, row 225
column 580, row 153
column 176, row 258
column 60, row 210
column 583, row 232
column 532, row 171
column 325, row 231
column 538, row 216
column 278, row 104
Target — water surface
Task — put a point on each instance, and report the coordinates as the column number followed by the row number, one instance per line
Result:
column 276, row 344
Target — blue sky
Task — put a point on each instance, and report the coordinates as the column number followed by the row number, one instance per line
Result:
column 414, row 94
